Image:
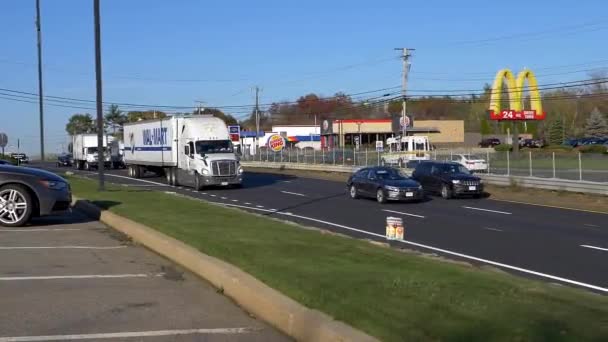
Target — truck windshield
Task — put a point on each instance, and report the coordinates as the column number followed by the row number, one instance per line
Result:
column 213, row 146
column 92, row 150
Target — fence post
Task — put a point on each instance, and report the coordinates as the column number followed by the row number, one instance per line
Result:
column 580, row 167
column 322, row 156
column 297, row 157
column 343, row 154
column 289, row 155
column 508, row 163
column 333, row 154
column 314, row 155
column 553, row 164
column 530, row 161
column 488, row 159
column 267, row 154
column 366, row 156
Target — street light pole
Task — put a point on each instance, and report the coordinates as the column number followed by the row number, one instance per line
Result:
column 100, row 130
column 406, row 54
column 40, row 97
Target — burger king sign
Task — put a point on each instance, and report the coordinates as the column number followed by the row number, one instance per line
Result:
column 276, row 143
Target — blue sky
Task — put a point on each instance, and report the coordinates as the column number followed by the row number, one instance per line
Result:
column 176, row 52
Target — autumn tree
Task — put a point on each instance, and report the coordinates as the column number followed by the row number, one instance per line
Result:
column 134, row 116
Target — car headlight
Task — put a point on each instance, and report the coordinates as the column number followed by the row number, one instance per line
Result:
column 54, row 185
column 455, row 181
column 391, row 188
column 205, row 172
column 240, row 170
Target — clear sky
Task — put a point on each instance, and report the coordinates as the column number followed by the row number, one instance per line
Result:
column 175, row 52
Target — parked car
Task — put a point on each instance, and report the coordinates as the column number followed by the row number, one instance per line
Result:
column 490, row 142
column 5, row 162
column 531, row 143
column 64, row 160
column 472, row 162
column 26, row 192
column 384, row 184
column 448, row 179
column 20, row 157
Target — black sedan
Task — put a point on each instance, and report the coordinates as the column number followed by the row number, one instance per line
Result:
column 383, row 184
column 64, row 160
column 448, row 179
column 27, row 192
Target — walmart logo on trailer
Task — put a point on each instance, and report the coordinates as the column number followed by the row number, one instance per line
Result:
column 155, row 136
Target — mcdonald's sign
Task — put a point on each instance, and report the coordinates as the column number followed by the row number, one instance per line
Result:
column 515, row 90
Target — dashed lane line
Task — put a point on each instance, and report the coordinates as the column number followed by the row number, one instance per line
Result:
column 594, row 247
column 293, row 193
column 402, row 213
column 488, row 210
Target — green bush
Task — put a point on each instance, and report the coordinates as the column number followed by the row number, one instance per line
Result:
column 558, row 148
column 593, row 149
column 503, row 148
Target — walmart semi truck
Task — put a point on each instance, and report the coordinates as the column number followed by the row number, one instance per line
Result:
column 191, row 150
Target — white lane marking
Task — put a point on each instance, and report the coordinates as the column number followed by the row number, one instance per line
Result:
column 293, row 193
column 179, row 187
column 85, row 276
column 445, row 251
column 488, row 210
column 285, row 181
column 224, row 198
column 493, row 229
column 212, row 195
column 135, row 179
column 203, row 193
column 593, row 247
column 247, row 203
column 38, row 230
column 259, row 206
column 130, row 334
column 235, row 200
column 591, row 225
column 60, row 247
column 402, row 213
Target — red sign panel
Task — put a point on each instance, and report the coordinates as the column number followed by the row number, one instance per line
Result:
column 235, row 137
column 513, row 115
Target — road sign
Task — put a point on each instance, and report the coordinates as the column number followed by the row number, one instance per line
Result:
column 357, row 142
column 3, row 140
column 404, row 122
column 235, row 133
column 379, row 146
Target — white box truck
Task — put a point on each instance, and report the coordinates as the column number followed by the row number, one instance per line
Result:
column 192, row 150
column 85, row 153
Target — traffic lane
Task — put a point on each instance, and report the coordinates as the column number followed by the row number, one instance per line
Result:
column 85, row 290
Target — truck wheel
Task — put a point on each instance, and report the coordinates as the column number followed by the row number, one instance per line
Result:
column 198, row 186
column 138, row 170
column 16, row 207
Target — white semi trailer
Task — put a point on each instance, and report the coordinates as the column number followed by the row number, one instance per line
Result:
column 85, row 151
column 192, row 150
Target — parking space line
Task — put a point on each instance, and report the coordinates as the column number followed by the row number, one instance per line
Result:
column 488, row 210
column 60, row 247
column 293, row 193
column 38, row 230
column 235, row 200
column 402, row 213
column 247, row 203
column 130, row 334
column 594, row 247
column 85, row 276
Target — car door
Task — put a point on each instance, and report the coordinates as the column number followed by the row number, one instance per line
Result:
column 369, row 185
column 434, row 179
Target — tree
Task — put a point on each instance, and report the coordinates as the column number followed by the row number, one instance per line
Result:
column 556, row 132
column 80, row 123
column 597, row 126
column 114, row 119
column 134, row 116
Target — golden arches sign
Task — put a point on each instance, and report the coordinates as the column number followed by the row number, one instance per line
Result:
column 515, row 89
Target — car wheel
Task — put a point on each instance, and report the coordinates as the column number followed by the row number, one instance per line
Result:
column 446, row 192
column 15, row 206
column 197, row 182
column 353, row 192
column 380, row 196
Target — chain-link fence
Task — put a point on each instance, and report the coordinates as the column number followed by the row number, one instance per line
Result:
column 564, row 165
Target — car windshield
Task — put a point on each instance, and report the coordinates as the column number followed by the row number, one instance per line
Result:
column 389, row 174
column 213, row 146
column 452, row 168
column 471, row 157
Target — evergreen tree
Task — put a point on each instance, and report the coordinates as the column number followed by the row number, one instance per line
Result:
column 597, row 126
column 556, row 132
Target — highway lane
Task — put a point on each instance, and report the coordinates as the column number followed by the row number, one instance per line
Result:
column 556, row 242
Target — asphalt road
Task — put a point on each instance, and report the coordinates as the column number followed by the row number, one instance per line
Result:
column 552, row 244
column 68, row 278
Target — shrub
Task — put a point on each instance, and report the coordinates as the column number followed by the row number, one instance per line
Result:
column 593, row 149
column 503, row 148
column 558, row 148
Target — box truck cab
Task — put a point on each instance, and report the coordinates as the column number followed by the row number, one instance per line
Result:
column 86, row 153
column 192, row 150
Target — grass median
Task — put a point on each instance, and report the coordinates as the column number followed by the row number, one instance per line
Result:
column 390, row 294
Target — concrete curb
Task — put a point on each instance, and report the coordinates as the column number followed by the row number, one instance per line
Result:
column 287, row 315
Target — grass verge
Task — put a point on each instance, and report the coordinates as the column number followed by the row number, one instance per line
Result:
column 563, row 199
column 393, row 295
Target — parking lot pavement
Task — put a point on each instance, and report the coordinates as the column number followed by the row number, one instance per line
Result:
column 69, row 278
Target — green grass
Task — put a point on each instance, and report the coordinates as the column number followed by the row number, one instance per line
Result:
column 597, row 162
column 393, row 295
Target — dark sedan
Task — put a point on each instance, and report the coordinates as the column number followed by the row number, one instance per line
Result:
column 27, row 192
column 64, row 160
column 448, row 179
column 383, row 184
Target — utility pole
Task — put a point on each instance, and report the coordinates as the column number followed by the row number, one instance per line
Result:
column 40, row 97
column 257, row 118
column 405, row 56
column 100, row 136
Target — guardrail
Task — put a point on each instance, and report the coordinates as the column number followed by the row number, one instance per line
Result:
column 501, row 180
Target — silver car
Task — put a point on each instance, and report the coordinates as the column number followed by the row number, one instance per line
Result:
column 27, row 192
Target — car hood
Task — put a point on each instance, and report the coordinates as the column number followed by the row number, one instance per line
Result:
column 32, row 172
column 459, row 176
column 401, row 183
